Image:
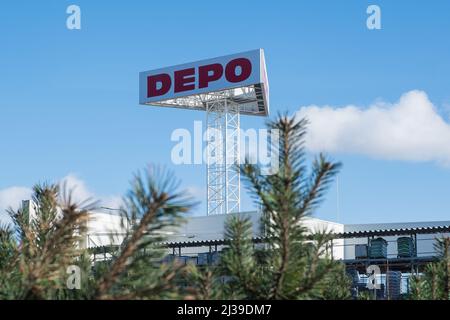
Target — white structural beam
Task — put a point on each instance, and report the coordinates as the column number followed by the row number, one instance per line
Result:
column 223, row 145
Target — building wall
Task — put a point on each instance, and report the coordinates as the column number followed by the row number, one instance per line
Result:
column 104, row 229
column 212, row 228
column 316, row 225
column 207, row 228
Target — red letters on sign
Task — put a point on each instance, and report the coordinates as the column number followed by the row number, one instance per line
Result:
column 236, row 70
column 152, row 85
column 182, row 80
column 230, row 70
column 209, row 73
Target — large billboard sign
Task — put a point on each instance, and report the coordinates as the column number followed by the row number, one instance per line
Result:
column 243, row 70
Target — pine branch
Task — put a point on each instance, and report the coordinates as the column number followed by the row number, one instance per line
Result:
column 152, row 205
column 287, row 197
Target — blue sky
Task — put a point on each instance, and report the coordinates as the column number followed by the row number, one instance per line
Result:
column 69, row 98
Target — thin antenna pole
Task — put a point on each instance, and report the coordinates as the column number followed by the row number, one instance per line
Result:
column 337, row 199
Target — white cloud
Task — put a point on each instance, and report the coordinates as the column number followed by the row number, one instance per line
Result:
column 80, row 193
column 12, row 197
column 410, row 129
column 197, row 192
column 198, row 195
column 77, row 187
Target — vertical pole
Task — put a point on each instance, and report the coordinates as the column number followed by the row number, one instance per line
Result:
column 415, row 245
column 225, row 156
column 337, row 199
column 223, row 140
column 332, row 249
column 387, row 280
column 208, row 209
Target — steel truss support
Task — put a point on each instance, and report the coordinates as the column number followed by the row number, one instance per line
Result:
column 223, row 144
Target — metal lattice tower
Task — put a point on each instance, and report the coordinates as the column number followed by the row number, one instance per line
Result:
column 224, row 87
column 223, row 145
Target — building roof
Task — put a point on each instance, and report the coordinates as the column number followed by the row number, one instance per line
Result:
column 204, row 243
column 342, row 235
column 395, row 231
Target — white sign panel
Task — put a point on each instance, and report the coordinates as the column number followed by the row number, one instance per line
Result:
column 217, row 74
